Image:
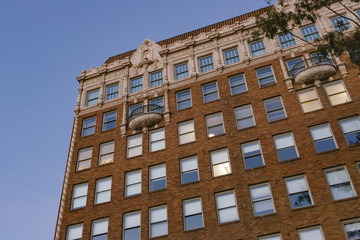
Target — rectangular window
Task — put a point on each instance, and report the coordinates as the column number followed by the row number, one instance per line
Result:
column 88, row 126
column 295, row 65
column 220, row 162
column 157, row 140
column 237, row 84
column 109, row 120
column 323, row 138
column 132, row 229
column 274, row 109
column 103, row 190
column 133, row 183
column 298, row 191
column 158, row 221
column 336, row 92
column 226, row 207
column 92, row 97
column 112, row 91
column 210, row 92
column 79, row 195
column 352, row 229
column 183, row 99
column 134, row 145
column 206, row 63
column 100, row 229
column 157, row 177
column 189, row 170
column 74, row 232
column 231, row 56
column 309, row 100
column 214, row 124
column 136, row 84
column 341, row 23
column 186, row 132
column 285, row 147
column 244, row 117
column 156, row 79
column 339, row 183
column 313, row 233
column 181, row 71
column 310, row 32
column 135, row 106
column 257, row 48
column 261, row 199
column 265, row 76
column 193, row 216
column 252, row 155
column 271, row 237
column 106, row 153
column 351, row 130
column 287, row 40
column 157, row 105
column 84, row 159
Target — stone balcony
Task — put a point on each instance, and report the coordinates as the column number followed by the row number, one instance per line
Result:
column 145, row 116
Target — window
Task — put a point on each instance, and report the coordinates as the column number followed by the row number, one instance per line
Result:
column 193, row 216
column 186, row 132
column 261, row 199
column 339, row 183
column 134, row 145
column 285, row 147
column 310, row 32
column 287, row 40
column 352, row 229
column 131, row 225
column 181, row 71
column 92, row 97
column 136, row 84
column 109, row 120
column 341, row 23
column 252, row 155
column 274, row 109
column 265, row 76
column 106, row 153
column 88, row 126
column 309, row 100
column 100, row 229
column 112, row 91
column 156, row 79
column 157, row 140
column 220, row 162
column 206, row 63
column 103, row 190
column 79, row 195
column 158, row 221
column 351, row 130
column 319, row 58
column 210, row 92
column 295, row 65
column 159, row 102
column 133, row 183
column 214, row 124
column 189, row 170
column 183, row 99
column 74, row 232
column 272, row 237
column 135, row 106
column 257, row 48
column 157, row 177
column 84, row 159
column 336, row 92
column 299, row 193
column 226, row 207
column 231, row 56
column 323, row 138
column 313, row 233
column 244, row 117
column 237, row 84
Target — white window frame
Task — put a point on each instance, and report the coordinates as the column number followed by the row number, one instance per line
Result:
column 346, row 22
column 348, row 222
column 287, row 41
column 329, row 96
column 94, row 222
column 127, row 184
column 79, row 161
column 302, row 103
column 227, row 207
column 108, row 154
column 92, row 126
column 151, row 179
column 274, row 110
column 343, row 167
column 159, row 221
column 204, row 95
column 332, row 136
column 109, row 94
column 157, row 79
column 184, row 72
column 182, row 134
column 154, row 141
column 307, row 35
column 308, row 190
column 135, row 146
column 309, row 229
column 352, row 131
column 293, row 139
column 177, row 100
column 92, row 99
column 268, row 83
column 261, row 153
column 185, row 214
column 252, row 53
column 212, row 126
column 74, row 230
column 136, row 86
column 222, row 163
column 230, row 49
column 106, row 191
column 84, row 196
column 246, row 117
column 182, row 171
column 103, row 125
column 212, row 63
column 261, row 200
column 131, row 214
column 231, row 87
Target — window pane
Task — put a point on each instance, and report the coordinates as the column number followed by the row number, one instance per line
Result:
column 192, row 207
column 100, row 227
column 300, row 199
column 103, row 197
column 263, row 207
column 79, row 202
column 228, row 215
column 159, row 229
column 85, row 153
column 157, row 171
column 133, row 189
column 219, row 156
column 277, row 237
column 284, row 141
column 260, row 192
column 186, row 127
column 221, row 169
column 193, row 222
column 311, row 234
column 225, row 200
column 321, row 132
column 132, row 234
column 80, row 190
column 158, row 214
column 310, row 32
column 188, row 177
column 350, row 125
column 342, row 191
column 287, row 154
column 337, row 176
column 158, row 184
column 74, row 232
column 325, row 145
column 106, row 148
column 132, row 220
column 189, row 164
column 352, row 229
column 296, row 185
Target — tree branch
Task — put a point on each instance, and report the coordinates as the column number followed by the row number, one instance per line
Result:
column 342, row 16
column 350, row 10
column 314, row 45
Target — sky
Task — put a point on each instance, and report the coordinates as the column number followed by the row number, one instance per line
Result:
column 44, row 45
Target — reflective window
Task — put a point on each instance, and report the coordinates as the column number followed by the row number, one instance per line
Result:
column 252, row 155
column 133, row 183
column 158, row 221
column 351, row 130
column 210, row 92
column 136, row 84
column 131, row 229
column 309, row 100
column 339, row 183
column 109, row 120
column 214, row 124
column 193, row 216
column 226, row 207
column 231, row 56
column 257, row 48
column 181, row 71
column 92, row 97
column 157, row 177
column 135, row 106
column 287, row 40
column 84, row 159
column 341, row 23
column 183, row 99
column 336, row 92
column 244, row 117
column 156, row 79
column 265, row 76
column 274, row 109
column 313, row 233
column 88, row 126
column 74, row 232
column 103, row 190
column 323, row 138
column 106, row 153
column 261, row 199
column 285, row 147
column 299, row 193
column 237, row 84
column 186, row 132
column 352, row 229
column 79, row 195
column 206, row 63
column 310, row 32
column 112, row 91
column 134, row 145
column 220, row 162
column 100, row 229
column 189, row 170
column 295, row 65
column 158, row 102
column 157, row 140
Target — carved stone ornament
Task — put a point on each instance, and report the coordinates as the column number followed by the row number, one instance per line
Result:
column 146, row 54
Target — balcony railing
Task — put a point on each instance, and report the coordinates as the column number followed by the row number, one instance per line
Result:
column 145, row 116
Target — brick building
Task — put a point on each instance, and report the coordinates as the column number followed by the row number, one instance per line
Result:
column 215, row 135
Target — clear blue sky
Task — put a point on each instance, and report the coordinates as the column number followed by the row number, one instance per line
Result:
column 44, row 45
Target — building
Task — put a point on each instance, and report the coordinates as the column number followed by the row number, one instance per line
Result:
column 215, row 135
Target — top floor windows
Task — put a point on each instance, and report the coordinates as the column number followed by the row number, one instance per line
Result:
column 265, row 76
column 136, row 84
column 206, row 63
column 257, row 48
column 181, row 71
column 210, row 92
column 341, row 23
column 92, row 97
column 156, row 79
column 287, row 40
column 112, row 91
column 231, row 56
column 310, row 32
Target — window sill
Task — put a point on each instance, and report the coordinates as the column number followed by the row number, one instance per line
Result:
column 105, row 164
column 194, row 230
column 212, row 100
column 109, row 130
column 159, row 237
column 341, row 104
column 82, row 170
column 101, row 204
column 242, row 129
column 128, row 158
column 200, row 73
column 275, row 121
column 329, row 151
column 111, row 100
column 157, row 151
column 301, row 208
column 290, row 160
column 77, row 209
column 346, row 199
column 268, row 85
column 255, row 168
column 82, row 137
column 239, row 94
column 227, row 223
column 221, row 176
column 354, row 145
column 184, row 144
column 184, row 109
column 190, row 183
column 266, row 215
column 223, row 134
column 132, row 196
column 314, row 111
column 159, row 190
